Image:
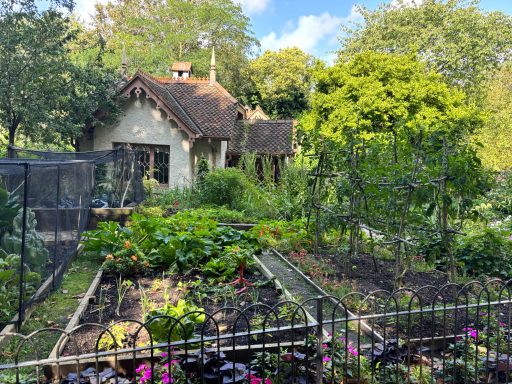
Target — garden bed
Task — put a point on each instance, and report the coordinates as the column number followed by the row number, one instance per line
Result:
column 158, row 290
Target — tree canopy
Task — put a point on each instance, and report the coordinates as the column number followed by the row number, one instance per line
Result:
column 400, row 136
column 45, row 96
column 280, row 82
column 156, row 34
column 453, row 37
column 496, row 136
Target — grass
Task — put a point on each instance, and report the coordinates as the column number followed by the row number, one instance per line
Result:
column 56, row 310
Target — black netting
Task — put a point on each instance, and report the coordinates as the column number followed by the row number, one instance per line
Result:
column 53, row 198
column 118, row 181
column 53, row 192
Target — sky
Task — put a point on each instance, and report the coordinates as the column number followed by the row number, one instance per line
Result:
column 312, row 25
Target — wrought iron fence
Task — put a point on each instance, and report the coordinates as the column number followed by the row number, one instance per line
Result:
column 449, row 334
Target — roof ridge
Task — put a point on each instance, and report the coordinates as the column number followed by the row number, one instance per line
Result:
column 225, row 92
column 270, row 121
column 150, row 77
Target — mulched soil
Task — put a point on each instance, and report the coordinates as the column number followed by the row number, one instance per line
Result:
column 366, row 277
column 84, row 339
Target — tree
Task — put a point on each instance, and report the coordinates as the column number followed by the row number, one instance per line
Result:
column 496, row 136
column 453, row 37
column 45, row 97
column 156, row 34
column 399, row 135
column 281, row 82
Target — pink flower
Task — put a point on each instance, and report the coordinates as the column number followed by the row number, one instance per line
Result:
column 146, row 376
column 268, row 381
column 324, row 346
column 472, row 332
column 140, row 368
column 353, row 350
column 166, row 379
column 326, row 358
column 164, row 354
column 502, row 324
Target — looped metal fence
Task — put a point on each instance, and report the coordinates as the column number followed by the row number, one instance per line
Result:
column 449, row 334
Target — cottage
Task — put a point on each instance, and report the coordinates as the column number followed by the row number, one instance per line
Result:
column 173, row 121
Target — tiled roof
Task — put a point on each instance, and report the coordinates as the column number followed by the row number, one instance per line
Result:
column 172, row 103
column 210, row 108
column 207, row 109
column 181, row 66
column 271, row 137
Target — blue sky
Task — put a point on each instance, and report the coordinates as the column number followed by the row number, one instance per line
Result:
column 312, row 25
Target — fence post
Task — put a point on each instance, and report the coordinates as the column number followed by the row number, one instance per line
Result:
column 22, row 304
column 319, row 334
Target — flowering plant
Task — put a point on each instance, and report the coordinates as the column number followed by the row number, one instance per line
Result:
column 166, row 371
column 126, row 259
column 343, row 360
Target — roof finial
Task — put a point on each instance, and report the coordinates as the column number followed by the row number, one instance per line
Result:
column 124, row 63
column 213, row 71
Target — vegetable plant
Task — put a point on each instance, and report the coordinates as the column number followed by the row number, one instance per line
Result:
column 169, row 323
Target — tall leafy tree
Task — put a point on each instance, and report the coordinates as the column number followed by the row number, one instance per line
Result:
column 496, row 136
column 400, row 135
column 46, row 98
column 453, row 37
column 158, row 33
column 281, row 82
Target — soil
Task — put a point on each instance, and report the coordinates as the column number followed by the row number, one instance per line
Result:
column 157, row 291
column 366, row 277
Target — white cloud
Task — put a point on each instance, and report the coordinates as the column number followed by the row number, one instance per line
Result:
column 253, row 7
column 85, row 8
column 308, row 32
column 315, row 34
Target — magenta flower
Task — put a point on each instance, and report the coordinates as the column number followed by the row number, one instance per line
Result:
column 166, row 379
column 164, row 354
column 472, row 332
column 353, row 351
column 146, row 377
column 140, row 368
column 326, row 359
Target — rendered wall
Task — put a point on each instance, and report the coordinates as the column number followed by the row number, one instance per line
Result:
column 142, row 123
column 214, row 152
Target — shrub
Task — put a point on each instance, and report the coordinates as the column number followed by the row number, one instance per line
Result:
column 486, row 252
column 225, row 187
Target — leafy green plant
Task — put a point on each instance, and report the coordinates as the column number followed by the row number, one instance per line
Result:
column 225, row 187
column 10, row 265
column 36, row 254
column 241, row 258
column 221, row 268
column 8, row 211
column 485, row 252
column 113, row 339
column 126, row 261
column 189, row 316
column 202, row 170
column 122, row 287
column 285, row 236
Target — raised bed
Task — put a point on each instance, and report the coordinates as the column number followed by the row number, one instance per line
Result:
column 87, row 312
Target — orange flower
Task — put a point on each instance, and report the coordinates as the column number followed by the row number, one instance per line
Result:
column 109, row 257
column 146, row 263
column 127, row 244
column 134, row 258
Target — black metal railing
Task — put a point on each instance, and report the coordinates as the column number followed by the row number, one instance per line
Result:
column 449, row 334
